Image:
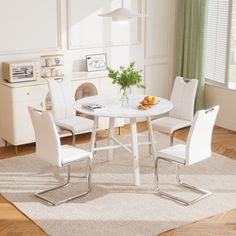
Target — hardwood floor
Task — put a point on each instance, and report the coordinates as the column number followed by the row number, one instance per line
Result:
column 224, row 143
column 13, row 222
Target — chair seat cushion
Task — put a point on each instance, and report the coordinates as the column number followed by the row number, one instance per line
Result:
column 169, row 124
column 70, row 154
column 174, row 153
column 76, row 124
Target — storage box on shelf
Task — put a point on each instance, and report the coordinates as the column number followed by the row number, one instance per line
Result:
column 52, row 66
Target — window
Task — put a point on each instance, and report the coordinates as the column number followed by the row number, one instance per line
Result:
column 220, row 61
column 217, row 40
column 232, row 52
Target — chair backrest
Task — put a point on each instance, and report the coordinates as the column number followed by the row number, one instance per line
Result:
column 48, row 145
column 62, row 99
column 183, row 98
column 200, row 134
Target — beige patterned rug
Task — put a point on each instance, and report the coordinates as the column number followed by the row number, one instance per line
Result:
column 115, row 206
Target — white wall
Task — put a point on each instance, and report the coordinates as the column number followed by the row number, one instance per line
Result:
column 159, row 46
column 30, row 28
column 226, row 98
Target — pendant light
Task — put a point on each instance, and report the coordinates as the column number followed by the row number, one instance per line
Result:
column 121, row 15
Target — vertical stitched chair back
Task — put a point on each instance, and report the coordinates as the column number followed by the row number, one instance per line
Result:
column 48, row 145
column 62, row 99
column 200, row 135
column 183, row 98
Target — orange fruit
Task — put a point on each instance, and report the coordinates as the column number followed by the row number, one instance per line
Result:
column 142, row 107
column 149, row 99
column 154, row 100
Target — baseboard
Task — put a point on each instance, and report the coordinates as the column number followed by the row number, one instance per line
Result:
column 227, row 124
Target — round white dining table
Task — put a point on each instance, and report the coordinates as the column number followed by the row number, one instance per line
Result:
column 112, row 108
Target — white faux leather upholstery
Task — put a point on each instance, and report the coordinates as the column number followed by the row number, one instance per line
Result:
column 70, row 154
column 62, row 99
column 64, row 114
column 174, row 153
column 169, row 124
column 200, row 135
column 47, row 139
column 198, row 145
column 77, row 124
column 183, row 99
column 48, row 145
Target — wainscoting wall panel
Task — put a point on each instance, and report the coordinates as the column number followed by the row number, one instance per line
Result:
column 88, row 30
column 159, row 46
column 29, row 26
column 158, row 28
column 157, row 85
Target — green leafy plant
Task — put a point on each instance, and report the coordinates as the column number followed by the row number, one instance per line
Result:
column 126, row 77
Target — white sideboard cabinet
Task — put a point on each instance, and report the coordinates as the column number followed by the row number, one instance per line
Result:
column 15, row 123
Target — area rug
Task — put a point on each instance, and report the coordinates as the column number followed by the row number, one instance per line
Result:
column 115, row 206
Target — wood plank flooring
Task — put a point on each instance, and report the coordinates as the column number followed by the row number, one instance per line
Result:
column 14, row 223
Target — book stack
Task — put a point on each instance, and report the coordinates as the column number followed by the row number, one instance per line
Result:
column 93, row 106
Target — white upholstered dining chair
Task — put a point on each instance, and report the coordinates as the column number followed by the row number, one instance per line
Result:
column 198, row 148
column 64, row 114
column 49, row 149
column 183, row 99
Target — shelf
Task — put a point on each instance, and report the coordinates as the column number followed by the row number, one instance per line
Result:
column 53, row 66
column 54, row 55
column 53, row 77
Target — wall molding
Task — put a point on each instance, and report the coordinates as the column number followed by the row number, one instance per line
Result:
column 70, row 46
column 156, row 61
column 154, row 56
column 152, row 64
column 33, row 50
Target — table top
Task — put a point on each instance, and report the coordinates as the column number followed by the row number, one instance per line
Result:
column 113, row 108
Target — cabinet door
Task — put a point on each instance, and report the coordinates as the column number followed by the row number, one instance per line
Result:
column 15, row 122
column 29, row 93
column 23, row 131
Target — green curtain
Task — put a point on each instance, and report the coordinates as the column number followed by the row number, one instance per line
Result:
column 190, row 43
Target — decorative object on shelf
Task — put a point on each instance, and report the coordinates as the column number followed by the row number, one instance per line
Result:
column 52, row 66
column 122, row 14
column 126, row 77
column 20, row 71
column 96, row 62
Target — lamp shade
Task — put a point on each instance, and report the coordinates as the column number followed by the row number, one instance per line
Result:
column 120, row 14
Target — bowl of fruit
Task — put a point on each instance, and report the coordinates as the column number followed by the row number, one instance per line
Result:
column 147, row 102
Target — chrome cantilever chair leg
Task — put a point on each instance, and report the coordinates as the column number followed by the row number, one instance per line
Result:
column 149, row 146
column 175, row 198
column 172, row 135
column 95, row 145
column 72, row 134
column 73, row 138
column 172, row 139
column 40, row 194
